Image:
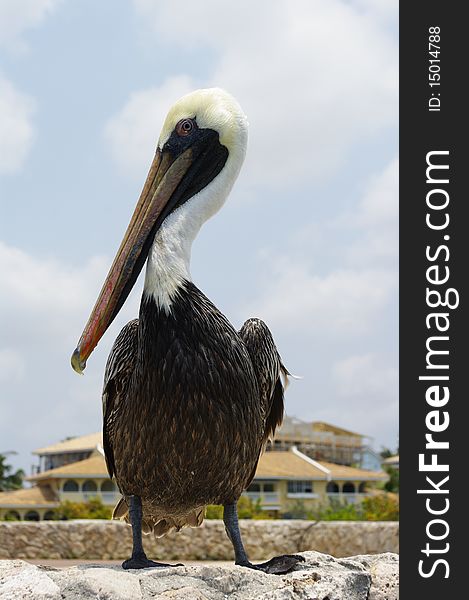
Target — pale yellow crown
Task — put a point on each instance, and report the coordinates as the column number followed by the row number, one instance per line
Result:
column 213, row 108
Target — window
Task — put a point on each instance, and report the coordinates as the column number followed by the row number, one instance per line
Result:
column 12, row 515
column 300, row 487
column 268, row 487
column 332, row 488
column 107, row 486
column 70, row 486
column 254, row 487
column 362, row 487
column 49, row 516
column 348, row 488
column 32, row 515
column 89, row 486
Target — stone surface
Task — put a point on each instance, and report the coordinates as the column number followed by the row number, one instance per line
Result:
column 109, row 540
column 320, row 577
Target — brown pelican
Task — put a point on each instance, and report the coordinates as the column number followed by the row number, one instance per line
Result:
column 188, row 402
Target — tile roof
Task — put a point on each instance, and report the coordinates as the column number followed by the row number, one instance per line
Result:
column 391, row 460
column 287, row 465
column 344, row 472
column 93, row 466
column 34, row 495
column 76, row 444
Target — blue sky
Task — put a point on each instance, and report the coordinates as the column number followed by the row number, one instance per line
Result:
column 307, row 239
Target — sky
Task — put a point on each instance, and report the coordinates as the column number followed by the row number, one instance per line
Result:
column 308, row 239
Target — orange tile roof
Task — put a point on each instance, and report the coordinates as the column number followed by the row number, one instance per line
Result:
column 75, row 444
column 391, row 460
column 344, row 472
column 284, row 464
column 36, row 495
column 288, row 465
column 94, row 466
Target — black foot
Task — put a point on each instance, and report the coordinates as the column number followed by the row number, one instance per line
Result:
column 142, row 562
column 279, row 565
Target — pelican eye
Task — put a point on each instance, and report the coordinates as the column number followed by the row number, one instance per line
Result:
column 185, row 127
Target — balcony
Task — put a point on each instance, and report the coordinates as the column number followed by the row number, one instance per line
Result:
column 269, row 500
column 302, row 495
column 346, row 498
column 107, row 498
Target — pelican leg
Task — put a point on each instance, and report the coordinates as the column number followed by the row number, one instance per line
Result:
column 277, row 565
column 139, row 559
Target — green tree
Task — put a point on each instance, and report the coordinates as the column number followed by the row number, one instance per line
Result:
column 214, row 511
column 386, row 452
column 9, row 480
column 247, row 509
column 392, row 485
column 378, row 507
column 340, row 511
column 92, row 509
column 381, row 507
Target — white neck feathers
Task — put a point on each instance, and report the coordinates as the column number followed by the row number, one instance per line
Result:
column 168, row 265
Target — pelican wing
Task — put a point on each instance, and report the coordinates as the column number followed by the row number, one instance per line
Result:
column 119, row 368
column 269, row 371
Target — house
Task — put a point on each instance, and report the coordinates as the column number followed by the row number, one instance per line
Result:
column 285, row 478
column 391, row 461
column 371, row 460
column 75, row 470
column 321, row 441
column 68, row 451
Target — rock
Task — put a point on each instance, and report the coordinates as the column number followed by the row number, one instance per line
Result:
column 320, row 577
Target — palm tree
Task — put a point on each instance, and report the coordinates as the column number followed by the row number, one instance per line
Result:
column 8, row 479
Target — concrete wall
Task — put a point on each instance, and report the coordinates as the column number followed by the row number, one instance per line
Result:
column 108, row 540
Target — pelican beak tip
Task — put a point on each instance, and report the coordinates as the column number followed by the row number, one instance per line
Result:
column 77, row 364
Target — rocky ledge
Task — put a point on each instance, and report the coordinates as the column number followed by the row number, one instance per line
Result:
column 320, row 577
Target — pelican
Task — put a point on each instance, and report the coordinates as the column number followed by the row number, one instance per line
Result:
column 188, row 402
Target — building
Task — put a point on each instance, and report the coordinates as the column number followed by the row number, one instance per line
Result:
column 286, row 477
column 321, row 441
column 75, row 470
column 392, row 461
column 68, row 451
column 371, row 460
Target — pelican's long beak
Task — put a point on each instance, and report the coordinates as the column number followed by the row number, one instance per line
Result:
column 155, row 203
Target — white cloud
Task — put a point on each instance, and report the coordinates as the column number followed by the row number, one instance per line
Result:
column 309, row 93
column 11, row 365
column 45, row 292
column 46, row 299
column 366, row 393
column 133, row 132
column 322, row 306
column 377, row 216
column 17, row 16
column 380, row 204
column 44, row 305
column 16, row 129
column 363, row 374
column 356, row 288
column 385, row 10
column 341, row 303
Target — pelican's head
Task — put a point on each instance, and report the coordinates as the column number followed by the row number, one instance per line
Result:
column 213, row 110
column 199, row 153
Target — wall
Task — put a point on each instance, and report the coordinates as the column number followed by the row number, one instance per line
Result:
column 108, row 540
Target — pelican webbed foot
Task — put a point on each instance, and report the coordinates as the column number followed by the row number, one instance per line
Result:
column 140, row 561
column 279, row 565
